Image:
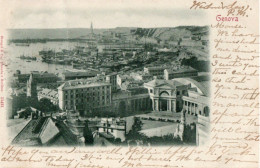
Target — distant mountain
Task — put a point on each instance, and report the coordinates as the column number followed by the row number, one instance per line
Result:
column 50, row 33
column 171, row 33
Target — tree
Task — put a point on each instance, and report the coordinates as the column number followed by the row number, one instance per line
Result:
column 46, row 105
column 89, row 140
column 134, row 133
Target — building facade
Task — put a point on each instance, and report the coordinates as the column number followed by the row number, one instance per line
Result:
column 131, row 101
column 32, row 87
column 179, row 73
column 78, row 75
column 155, row 71
column 85, row 96
column 40, row 77
column 112, row 79
column 166, row 95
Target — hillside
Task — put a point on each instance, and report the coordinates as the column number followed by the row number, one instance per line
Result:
column 172, row 34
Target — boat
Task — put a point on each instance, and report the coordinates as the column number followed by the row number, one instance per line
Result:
column 27, row 57
column 23, row 44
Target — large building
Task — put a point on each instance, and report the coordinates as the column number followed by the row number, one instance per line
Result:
column 78, row 75
column 196, row 101
column 40, row 77
column 131, row 101
column 167, row 95
column 155, row 71
column 179, row 73
column 84, row 96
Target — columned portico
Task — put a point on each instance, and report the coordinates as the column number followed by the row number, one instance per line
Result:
column 164, row 94
column 195, row 108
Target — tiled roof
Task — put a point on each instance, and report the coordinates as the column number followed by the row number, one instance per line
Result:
column 27, row 136
column 31, row 134
column 65, row 132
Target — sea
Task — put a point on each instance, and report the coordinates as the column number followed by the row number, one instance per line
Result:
column 14, row 63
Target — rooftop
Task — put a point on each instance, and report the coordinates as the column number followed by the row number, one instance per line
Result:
column 49, row 92
column 200, row 82
column 37, row 131
column 159, row 82
column 77, row 84
column 181, row 70
column 79, row 74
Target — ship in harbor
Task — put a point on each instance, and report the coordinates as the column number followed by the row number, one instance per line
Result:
column 28, row 58
column 23, row 44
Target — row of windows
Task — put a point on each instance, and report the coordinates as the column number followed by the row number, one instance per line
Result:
column 183, row 74
column 89, row 98
column 82, row 103
column 182, row 92
column 86, row 95
column 189, row 103
column 111, row 130
column 178, row 92
column 87, row 89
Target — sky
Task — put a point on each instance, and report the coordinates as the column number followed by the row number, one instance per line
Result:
column 103, row 14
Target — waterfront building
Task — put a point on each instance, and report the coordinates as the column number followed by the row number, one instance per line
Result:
column 85, row 96
column 179, row 73
column 40, row 77
column 78, row 75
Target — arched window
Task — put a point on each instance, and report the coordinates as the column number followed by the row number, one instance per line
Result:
column 164, row 93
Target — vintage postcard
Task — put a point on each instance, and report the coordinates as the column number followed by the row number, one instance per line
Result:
column 129, row 84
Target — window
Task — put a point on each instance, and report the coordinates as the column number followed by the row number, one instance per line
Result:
column 151, row 90
column 178, row 92
column 112, row 130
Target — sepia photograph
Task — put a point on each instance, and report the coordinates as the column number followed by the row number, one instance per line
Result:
column 100, row 77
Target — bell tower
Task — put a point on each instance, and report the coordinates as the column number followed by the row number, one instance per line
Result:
column 32, row 87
